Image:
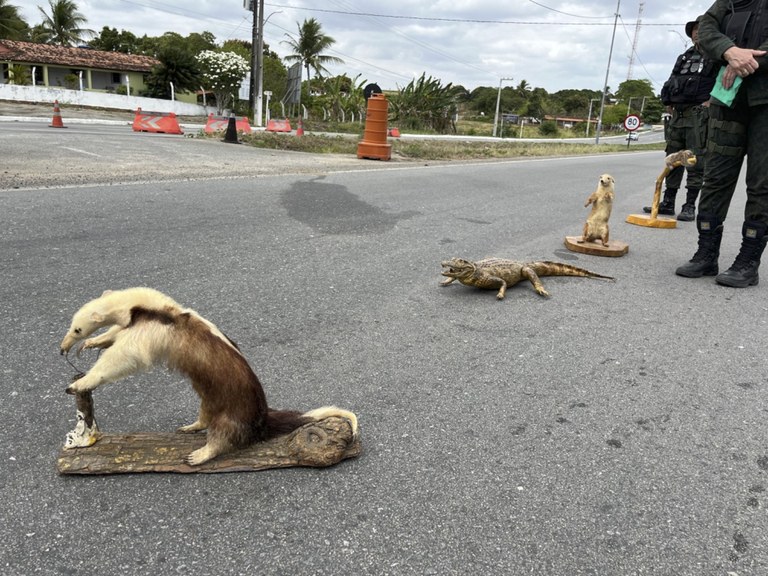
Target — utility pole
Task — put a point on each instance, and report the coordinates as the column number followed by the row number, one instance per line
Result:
column 589, row 114
column 259, row 67
column 251, row 6
column 498, row 102
column 257, row 55
column 629, row 104
column 607, row 72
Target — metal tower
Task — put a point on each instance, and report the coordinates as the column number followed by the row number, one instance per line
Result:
column 635, row 39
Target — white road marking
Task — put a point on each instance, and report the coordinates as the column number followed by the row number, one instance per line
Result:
column 82, row 151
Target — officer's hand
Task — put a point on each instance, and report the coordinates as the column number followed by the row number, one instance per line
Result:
column 741, row 62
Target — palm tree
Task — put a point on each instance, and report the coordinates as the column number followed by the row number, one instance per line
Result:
column 12, row 25
column 523, row 88
column 309, row 46
column 64, row 25
column 177, row 66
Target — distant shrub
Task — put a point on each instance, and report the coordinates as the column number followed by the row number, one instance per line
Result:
column 71, row 81
column 20, row 75
column 548, row 128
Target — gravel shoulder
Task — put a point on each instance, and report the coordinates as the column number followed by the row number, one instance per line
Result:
column 98, row 148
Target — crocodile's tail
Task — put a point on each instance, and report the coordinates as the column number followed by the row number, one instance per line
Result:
column 546, row 268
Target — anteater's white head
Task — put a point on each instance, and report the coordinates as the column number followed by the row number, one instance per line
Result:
column 85, row 322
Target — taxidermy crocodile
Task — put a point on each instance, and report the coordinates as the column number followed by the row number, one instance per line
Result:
column 499, row 273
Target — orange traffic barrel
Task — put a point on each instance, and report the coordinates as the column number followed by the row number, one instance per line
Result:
column 374, row 143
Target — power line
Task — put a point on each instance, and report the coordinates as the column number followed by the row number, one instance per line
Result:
column 347, row 56
column 424, row 44
column 566, row 13
column 232, row 30
column 463, row 20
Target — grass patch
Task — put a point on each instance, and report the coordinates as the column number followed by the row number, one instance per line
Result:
column 455, row 148
column 469, row 150
column 313, row 143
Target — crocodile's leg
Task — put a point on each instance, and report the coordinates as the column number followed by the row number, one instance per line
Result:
column 487, row 281
column 495, row 282
column 530, row 274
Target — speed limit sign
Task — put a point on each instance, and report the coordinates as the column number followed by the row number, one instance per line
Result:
column 632, row 122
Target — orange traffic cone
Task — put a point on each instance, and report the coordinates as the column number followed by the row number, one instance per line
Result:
column 57, row 121
column 300, row 129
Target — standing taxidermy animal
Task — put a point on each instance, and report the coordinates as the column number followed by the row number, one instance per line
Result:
column 596, row 226
column 499, row 273
column 148, row 328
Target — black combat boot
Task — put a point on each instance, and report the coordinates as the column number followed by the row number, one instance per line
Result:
column 688, row 211
column 704, row 262
column 743, row 272
column 667, row 204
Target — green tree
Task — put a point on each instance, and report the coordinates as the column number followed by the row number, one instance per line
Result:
column 424, row 104
column 12, row 25
column 176, row 66
column 197, row 43
column 574, row 103
column 64, row 25
column 341, row 97
column 523, row 89
column 512, row 99
column 613, row 115
column 460, row 93
column 482, row 100
column 240, row 47
column 634, row 88
column 653, row 110
column 309, row 47
column 537, row 103
column 110, row 40
column 155, row 45
column 275, row 76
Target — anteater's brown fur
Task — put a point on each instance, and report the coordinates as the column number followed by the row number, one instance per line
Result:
column 233, row 406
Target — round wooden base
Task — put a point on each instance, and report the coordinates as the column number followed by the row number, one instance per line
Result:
column 614, row 248
column 647, row 221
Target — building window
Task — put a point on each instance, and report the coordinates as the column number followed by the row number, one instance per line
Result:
column 116, row 78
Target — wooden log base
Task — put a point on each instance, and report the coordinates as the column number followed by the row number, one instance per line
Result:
column 317, row 444
column 647, row 221
column 614, row 248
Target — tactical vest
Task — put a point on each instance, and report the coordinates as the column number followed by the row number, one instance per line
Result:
column 692, row 79
column 747, row 23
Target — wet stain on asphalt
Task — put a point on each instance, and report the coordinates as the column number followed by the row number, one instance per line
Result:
column 331, row 209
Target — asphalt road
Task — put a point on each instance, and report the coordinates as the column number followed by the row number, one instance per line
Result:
column 612, row 429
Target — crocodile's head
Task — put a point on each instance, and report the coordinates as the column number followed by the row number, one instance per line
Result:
column 457, row 268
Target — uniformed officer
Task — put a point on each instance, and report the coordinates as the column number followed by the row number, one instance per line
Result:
column 736, row 34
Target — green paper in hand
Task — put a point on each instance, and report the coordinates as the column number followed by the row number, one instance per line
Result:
column 725, row 95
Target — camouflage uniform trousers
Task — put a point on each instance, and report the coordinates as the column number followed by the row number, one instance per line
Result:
column 687, row 130
column 736, row 133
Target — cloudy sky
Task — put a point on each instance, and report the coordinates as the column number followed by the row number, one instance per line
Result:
column 552, row 44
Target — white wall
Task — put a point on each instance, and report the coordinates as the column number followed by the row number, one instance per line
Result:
column 100, row 100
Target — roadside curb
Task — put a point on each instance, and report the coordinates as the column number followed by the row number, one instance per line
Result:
column 69, row 120
column 86, row 121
